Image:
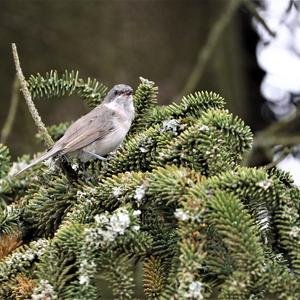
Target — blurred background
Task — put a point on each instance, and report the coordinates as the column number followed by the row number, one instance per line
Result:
column 247, row 51
column 182, row 45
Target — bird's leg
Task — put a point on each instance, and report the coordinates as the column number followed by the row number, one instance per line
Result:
column 96, row 155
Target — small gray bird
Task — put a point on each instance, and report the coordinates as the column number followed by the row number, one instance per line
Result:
column 97, row 133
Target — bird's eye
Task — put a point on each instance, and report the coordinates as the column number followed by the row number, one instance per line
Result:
column 116, row 92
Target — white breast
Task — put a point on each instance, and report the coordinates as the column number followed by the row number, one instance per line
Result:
column 121, row 122
column 125, row 115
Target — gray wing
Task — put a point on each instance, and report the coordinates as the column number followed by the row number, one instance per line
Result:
column 89, row 128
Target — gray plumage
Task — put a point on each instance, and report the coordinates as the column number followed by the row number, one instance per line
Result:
column 97, row 133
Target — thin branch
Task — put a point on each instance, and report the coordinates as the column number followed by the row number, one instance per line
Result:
column 11, row 116
column 206, row 51
column 251, row 7
column 34, row 113
column 283, row 133
column 281, row 157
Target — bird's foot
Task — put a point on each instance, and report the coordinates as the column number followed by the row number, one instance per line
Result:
column 97, row 156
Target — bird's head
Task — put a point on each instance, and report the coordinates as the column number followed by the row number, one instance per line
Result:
column 119, row 92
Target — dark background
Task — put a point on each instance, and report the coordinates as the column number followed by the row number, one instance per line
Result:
column 118, row 41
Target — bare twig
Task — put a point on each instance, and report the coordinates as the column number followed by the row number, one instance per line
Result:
column 285, row 152
column 62, row 162
column 11, row 116
column 34, row 113
column 283, row 133
column 206, row 51
column 251, row 7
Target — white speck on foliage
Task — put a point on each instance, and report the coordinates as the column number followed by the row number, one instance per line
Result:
column 143, row 149
column 136, row 227
column 86, row 268
column 43, row 291
column 110, row 226
column 170, row 125
column 204, row 128
column 265, row 184
column 38, row 249
column 119, row 222
column 117, row 191
column 75, row 166
column 84, row 280
column 140, row 193
column 195, row 289
column 295, row 231
column 101, row 219
column 146, row 82
column 181, row 215
column 50, row 163
column 137, row 212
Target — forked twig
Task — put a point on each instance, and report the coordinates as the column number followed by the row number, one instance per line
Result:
column 26, row 93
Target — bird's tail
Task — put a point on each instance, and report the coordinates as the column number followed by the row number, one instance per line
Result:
column 45, row 156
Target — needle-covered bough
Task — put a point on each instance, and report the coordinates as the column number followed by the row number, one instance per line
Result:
column 171, row 214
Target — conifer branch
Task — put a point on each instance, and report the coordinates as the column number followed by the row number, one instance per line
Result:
column 34, row 112
column 4, row 161
column 53, row 84
column 173, row 197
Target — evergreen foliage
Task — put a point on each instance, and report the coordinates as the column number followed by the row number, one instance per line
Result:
column 4, row 160
column 55, row 85
column 172, row 199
